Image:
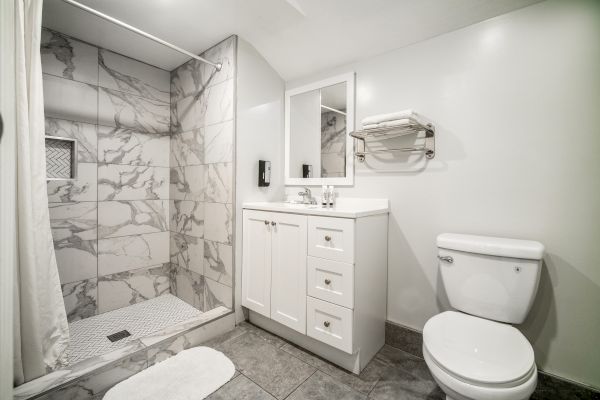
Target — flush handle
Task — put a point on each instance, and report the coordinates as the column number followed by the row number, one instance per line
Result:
column 447, row 259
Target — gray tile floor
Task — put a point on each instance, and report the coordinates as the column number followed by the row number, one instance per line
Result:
column 269, row 367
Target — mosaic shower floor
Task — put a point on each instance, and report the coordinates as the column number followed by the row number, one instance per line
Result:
column 89, row 335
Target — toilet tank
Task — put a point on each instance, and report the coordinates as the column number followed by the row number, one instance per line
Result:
column 490, row 277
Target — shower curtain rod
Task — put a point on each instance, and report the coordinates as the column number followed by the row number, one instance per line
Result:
column 115, row 21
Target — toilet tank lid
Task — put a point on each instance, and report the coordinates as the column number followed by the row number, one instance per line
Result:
column 493, row 246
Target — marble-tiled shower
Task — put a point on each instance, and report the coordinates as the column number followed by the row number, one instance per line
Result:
column 151, row 209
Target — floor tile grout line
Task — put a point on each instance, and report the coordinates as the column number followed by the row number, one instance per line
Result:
column 256, row 383
column 331, row 376
column 316, row 369
column 276, row 348
column 302, row 383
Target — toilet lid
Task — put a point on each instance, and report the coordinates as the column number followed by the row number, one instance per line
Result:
column 477, row 349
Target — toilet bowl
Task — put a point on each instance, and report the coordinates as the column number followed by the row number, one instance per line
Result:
column 472, row 358
column 474, row 353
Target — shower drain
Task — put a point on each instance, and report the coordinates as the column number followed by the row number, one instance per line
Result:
column 118, row 336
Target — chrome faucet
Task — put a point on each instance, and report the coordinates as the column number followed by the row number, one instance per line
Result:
column 307, row 197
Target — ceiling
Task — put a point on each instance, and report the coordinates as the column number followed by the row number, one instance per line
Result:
column 297, row 37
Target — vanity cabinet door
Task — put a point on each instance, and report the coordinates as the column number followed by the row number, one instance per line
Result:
column 256, row 261
column 288, row 275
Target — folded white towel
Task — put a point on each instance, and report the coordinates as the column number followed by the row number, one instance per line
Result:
column 388, row 124
column 376, row 119
column 192, row 374
column 371, row 126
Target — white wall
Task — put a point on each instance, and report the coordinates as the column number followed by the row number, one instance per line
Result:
column 305, row 133
column 259, row 136
column 516, row 104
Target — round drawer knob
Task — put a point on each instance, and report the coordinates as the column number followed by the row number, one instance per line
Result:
column 327, row 238
column 273, row 223
column 266, row 222
column 327, row 281
column 326, row 324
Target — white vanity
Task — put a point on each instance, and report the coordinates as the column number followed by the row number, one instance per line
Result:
column 318, row 276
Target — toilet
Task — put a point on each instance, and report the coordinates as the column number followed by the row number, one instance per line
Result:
column 474, row 353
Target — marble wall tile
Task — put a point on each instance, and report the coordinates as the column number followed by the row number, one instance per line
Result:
column 218, row 262
column 170, row 347
column 93, row 385
column 128, row 75
column 187, row 148
column 218, row 143
column 216, row 294
column 130, row 287
column 333, row 165
column 218, row 222
column 80, row 299
column 125, row 110
column 187, row 183
column 70, row 100
column 125, row 146
column 333, row 132
column 125, row 218
column 68, row 58
column 124, row 182
column 77, row 259
column 74, row 231
column 219, row 181
column 191, row 77
column 84, row 188
column 188, row 286
column 74, row 371
column 86, row 135
column 131, row 252
column 69, row 220
column 211, row 106
column 187, row 217
column 187, row 252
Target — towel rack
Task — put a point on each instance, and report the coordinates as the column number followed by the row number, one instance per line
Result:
column 411, row 127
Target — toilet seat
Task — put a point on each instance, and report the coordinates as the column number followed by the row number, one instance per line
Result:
column 478, row 351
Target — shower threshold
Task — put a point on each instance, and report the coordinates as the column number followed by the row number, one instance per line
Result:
column 154, row 325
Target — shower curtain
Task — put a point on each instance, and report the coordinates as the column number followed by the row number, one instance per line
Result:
column 41, row 329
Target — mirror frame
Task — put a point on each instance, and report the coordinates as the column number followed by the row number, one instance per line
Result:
column 348, row 180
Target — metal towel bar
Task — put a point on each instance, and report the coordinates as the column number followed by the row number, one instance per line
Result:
column 411, row 127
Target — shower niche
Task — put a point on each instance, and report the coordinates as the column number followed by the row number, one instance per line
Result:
column 61, row 158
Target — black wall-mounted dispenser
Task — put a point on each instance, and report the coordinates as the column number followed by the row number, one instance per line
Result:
column 264, row 173
column 307, row 171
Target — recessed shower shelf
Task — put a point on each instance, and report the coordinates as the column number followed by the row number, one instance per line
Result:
column 410, row 128
column 61, row 158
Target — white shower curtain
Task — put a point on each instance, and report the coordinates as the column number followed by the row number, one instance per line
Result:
column 41, row 329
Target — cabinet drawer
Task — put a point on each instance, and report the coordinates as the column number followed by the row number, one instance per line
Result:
column 331, row 238
column 332, row 281
column 329, row 323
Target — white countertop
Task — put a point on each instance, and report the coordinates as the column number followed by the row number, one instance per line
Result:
column 344, row 207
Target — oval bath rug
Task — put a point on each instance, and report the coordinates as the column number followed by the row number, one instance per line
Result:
column 192, row 374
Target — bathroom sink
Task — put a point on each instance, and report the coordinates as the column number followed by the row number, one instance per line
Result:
column 292, row 204
column 349, row 208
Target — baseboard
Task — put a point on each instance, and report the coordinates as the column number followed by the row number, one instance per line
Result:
column 549, row 386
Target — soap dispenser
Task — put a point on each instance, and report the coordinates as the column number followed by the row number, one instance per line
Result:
column 330, row 195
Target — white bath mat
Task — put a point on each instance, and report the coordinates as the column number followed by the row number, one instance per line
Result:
column 192, row 374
